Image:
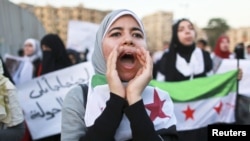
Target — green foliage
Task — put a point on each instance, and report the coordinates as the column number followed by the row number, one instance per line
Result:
column 215, row 28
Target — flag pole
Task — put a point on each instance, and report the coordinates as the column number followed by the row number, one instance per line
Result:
column 237, row 53
column 237, row 83
column 237, row 95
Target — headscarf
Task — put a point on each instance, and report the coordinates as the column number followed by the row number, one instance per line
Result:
column 4, row 110
column 5, row 115
column 177, row 46
column 168, row 60
column 97, row 56
column 57, row 58
column 37, row 54
column 10, row 110
column 217, row 50
column 168, row 63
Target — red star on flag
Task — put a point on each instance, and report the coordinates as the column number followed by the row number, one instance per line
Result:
column 218, row 108
column 189, row 113
column 156, row 107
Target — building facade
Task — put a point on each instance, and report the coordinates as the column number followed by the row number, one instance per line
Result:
column 158, row 25
column 239, row 35
column 55, row 20
column 16, row 25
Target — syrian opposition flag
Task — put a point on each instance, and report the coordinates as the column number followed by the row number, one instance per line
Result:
column 158, row 105
column 202, row 101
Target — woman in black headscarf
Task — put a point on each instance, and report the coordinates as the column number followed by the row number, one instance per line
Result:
column 54, row 58
column 54, row 54
column 184, row 61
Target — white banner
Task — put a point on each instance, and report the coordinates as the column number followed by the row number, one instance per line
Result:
column 231, row 64
column 42, row 97
column 81, row 36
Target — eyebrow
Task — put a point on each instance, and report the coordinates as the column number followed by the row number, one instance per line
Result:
column 120, row 28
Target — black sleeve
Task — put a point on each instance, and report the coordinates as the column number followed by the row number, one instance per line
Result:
column 107, row 123
column 142, row 127
column 208, row 61
column 169, row 134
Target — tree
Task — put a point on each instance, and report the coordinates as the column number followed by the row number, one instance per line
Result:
column 215, row 28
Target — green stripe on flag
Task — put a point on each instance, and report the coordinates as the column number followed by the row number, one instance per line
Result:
column 217, row 85
column 98, row 79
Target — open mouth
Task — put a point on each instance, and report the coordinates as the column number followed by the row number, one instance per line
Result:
column 127, row 60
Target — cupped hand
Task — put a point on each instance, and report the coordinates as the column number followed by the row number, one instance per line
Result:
column 114, row 82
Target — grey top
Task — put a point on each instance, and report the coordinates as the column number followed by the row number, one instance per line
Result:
column 216, row 63
column 73, row 115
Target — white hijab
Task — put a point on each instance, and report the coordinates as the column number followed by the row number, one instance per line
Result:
column 98, row 60
column 36, row 46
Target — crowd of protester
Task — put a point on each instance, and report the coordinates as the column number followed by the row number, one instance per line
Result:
column 118, row 48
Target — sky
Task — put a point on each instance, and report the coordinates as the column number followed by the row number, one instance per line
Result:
column 198, row 11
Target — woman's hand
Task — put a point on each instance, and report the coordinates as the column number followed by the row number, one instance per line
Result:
column 114, row 82
column 136, row 86
column 240, row 74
